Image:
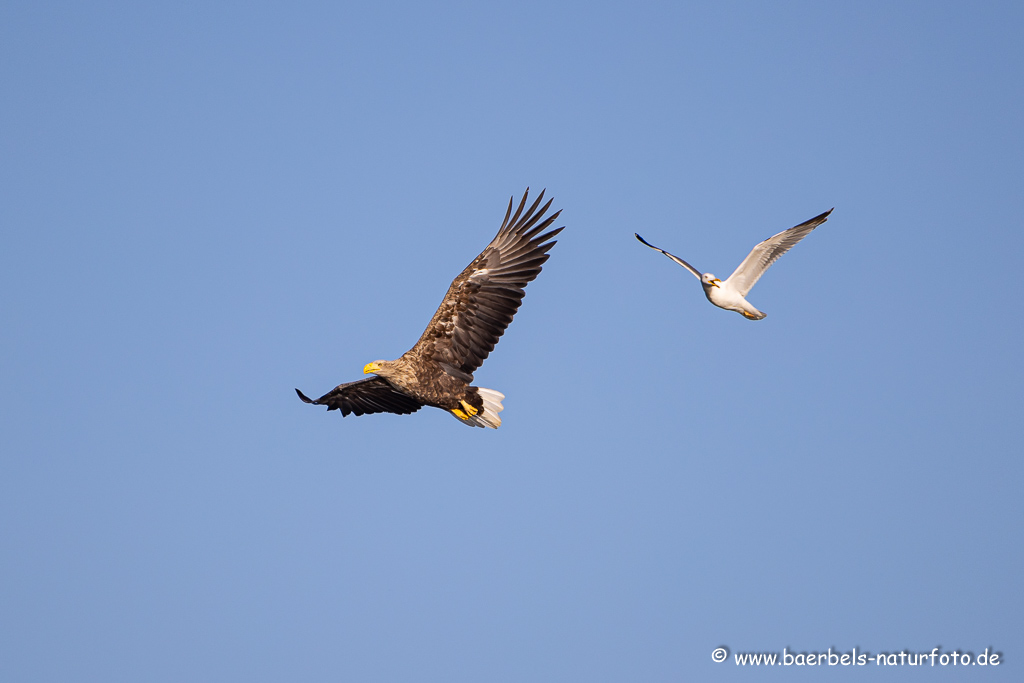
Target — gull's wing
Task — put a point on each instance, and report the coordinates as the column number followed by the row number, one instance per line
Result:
column 678, row 260
column 768, row 252
column 366, row 396
column 483, row 299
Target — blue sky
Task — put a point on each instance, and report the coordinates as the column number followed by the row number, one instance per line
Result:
column 204, row 207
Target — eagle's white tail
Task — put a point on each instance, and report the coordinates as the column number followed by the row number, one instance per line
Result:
column 488, row 416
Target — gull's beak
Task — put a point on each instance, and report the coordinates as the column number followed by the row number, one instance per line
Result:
column 717, row 283
column 370, row 367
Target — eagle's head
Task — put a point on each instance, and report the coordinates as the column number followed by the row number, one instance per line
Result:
column 384, row 368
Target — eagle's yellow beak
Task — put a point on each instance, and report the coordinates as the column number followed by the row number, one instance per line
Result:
column 370, row 367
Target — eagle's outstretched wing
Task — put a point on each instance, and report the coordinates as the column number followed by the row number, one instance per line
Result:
column 483, row 299
column 366, row 396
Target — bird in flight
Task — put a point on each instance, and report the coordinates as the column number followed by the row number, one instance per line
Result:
column 438, row 370
column 731, row 294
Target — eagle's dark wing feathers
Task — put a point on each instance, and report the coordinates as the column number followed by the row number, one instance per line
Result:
column 364, row 397
column 483, row 299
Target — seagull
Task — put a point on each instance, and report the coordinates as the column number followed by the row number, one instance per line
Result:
column 731, row 294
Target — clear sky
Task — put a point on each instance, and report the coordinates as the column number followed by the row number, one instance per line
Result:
column 205, row 205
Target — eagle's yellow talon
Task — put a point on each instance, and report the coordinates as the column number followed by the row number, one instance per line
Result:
column 469, row 409
column 459, row 414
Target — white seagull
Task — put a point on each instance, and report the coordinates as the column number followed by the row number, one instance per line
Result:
column 731, row 294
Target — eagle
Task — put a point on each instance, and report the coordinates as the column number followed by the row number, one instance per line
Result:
column 480, row 304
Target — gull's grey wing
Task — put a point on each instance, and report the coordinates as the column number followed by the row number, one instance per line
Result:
column 364, row 397
column 768, row 252
column 678, row 260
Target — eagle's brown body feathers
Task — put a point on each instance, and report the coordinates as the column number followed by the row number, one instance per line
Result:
column 480, row 304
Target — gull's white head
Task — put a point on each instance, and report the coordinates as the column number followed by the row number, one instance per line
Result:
column 709, row 280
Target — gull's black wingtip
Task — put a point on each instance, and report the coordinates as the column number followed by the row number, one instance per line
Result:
column 305, row 399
